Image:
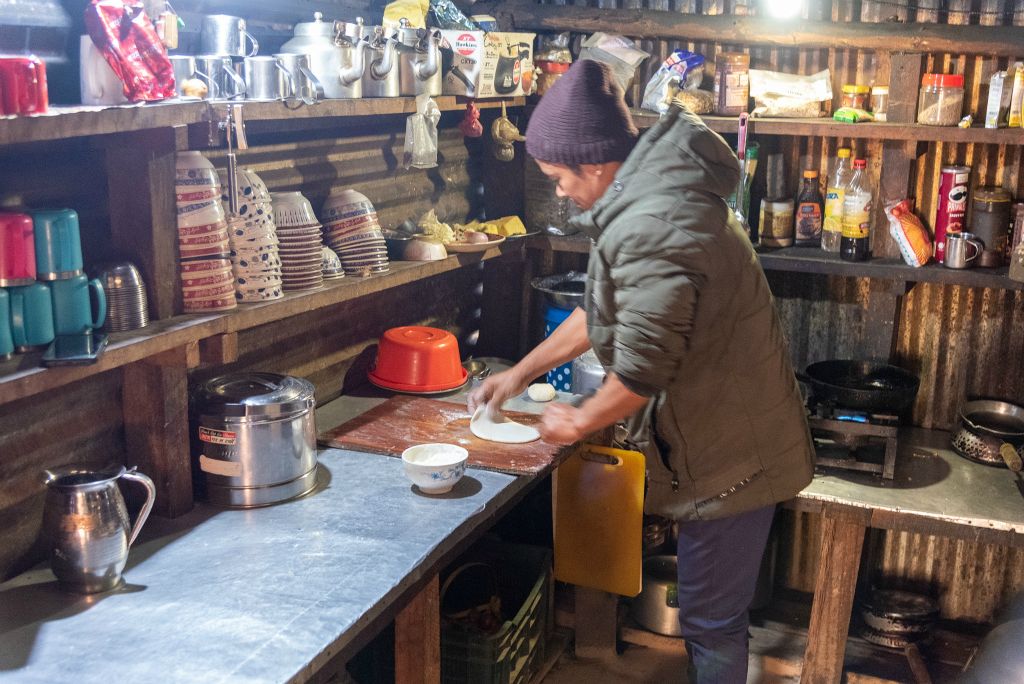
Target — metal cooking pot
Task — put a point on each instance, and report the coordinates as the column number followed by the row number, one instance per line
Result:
column 254, row 439
column 991, row 432
column 566, row 290
column 863, row 385
column 419, row 60
column 656, row 607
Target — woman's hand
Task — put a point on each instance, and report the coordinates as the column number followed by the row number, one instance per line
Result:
column 496, row 390
column 560, row 425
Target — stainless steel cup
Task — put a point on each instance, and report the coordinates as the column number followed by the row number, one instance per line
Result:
column 962, row 249
column 266, row 79
column 223, row 34
column 305, row 84
column 219, row 72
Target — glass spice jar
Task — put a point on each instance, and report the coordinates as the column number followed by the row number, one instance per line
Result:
column 941, row 99
column 855, row 96
column 732, row 83
column 549, row 73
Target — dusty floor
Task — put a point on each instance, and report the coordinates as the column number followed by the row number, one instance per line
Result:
column 636, row 665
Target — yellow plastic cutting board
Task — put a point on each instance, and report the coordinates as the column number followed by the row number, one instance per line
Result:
column 598, row 508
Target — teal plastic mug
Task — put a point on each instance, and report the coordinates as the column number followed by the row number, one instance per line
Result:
column 58, row 243
column 79, row 305
column 6, row 339
column 31, row 316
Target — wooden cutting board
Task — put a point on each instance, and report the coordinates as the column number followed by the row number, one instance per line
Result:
column 404, row 421
column 598, row 503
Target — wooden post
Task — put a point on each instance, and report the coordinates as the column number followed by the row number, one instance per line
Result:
column 418, row 638
column 143, row 221
column 155, row 406
column 219, row 349
column 842, row 537
column 596, row 623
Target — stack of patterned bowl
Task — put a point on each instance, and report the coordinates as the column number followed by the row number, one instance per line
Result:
column 301, row 242
column 206, row 278
column 352, row 230
column 254, row 241
column 331, row 265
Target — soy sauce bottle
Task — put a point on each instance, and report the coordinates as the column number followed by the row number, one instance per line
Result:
column 810, row 207
column 855, row 244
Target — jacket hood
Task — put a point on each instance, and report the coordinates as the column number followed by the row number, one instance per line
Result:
column 677, row 155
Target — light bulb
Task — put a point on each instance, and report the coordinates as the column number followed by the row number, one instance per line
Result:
column 784, row 9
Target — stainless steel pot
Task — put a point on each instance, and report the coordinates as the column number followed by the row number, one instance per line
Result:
column 223, row 34
column 266, row 79
column 221, row 78
column 565, row 290
column 587, row 374
column 335, row 60
column 656, row 607
column 254, row 439
column 419, row 60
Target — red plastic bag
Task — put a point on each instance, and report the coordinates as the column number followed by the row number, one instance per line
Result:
column 127, row 38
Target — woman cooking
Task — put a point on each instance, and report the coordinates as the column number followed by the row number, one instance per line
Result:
column 679, row 313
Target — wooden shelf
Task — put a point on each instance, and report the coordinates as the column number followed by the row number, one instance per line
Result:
column 809, row 260
column 61, row 123
column 829, row 128
column 22, row 376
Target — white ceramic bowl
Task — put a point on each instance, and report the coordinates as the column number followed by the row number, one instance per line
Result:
column 292, row 209
column 435, row 468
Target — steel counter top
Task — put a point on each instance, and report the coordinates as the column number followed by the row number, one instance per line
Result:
column 264, row 595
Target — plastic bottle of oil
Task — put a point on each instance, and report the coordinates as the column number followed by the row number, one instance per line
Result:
column 835, row 195
column 855, row 244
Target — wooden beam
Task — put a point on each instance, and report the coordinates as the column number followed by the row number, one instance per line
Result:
column 219, row 349
column 1003, row 41
column 154, row 401
column 418, row 638
column 143, row 219
column 842, row 538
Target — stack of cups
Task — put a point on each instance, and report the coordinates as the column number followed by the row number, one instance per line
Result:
column 253, row 239
column 207, row 281
column 301, row 242
column 352, row 230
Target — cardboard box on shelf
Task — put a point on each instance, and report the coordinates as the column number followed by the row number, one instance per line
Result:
column 478, row 64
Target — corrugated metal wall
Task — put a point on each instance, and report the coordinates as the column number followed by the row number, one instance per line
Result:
column 962, row 341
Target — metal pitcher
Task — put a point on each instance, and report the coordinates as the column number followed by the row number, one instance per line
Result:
column 336, row 60
column 223, row 34
column 266, row 79
column 219, row 73
column 382, row 77
column 307, row 86
column 86, row 526
column 419, row 60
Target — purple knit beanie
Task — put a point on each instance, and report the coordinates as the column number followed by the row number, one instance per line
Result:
column 582, row 119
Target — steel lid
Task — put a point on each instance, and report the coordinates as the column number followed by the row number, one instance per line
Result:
column 317, row 27
column 255, row 394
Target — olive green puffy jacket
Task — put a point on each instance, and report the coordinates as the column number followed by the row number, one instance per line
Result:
column 679, row 309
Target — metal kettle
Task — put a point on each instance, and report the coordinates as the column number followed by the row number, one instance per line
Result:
column 336, row 60
column 86, row 526
column 419, row 60
column 382, row 77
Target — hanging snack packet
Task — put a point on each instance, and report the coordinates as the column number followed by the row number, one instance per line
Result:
column 128, row 40
column 681, row 71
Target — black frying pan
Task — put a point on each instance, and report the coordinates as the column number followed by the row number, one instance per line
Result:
column 863, row 385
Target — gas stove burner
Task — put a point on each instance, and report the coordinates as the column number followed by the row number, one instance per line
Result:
column 853, row 439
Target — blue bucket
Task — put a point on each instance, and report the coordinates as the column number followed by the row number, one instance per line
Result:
column 561, row 377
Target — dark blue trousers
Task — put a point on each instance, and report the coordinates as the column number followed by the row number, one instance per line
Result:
column 718, row 565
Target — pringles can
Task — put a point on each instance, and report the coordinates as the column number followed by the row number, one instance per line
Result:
column 951, row 211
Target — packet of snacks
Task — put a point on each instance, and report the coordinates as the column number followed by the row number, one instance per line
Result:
column 908, row 232
column 128, row 41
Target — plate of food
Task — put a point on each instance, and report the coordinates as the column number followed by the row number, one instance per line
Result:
column 474, row 241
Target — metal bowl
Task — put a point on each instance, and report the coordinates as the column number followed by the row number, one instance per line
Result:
column 566, row 290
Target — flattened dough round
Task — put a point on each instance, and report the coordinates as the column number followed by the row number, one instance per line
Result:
column 501, row 430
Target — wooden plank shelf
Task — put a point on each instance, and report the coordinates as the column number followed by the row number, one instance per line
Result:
column 829, row 128
column 61, row 123
column 22, row 376
column 652, row 24
column 808, row 260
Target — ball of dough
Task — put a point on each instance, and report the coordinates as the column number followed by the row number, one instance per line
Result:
column 542, row 391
